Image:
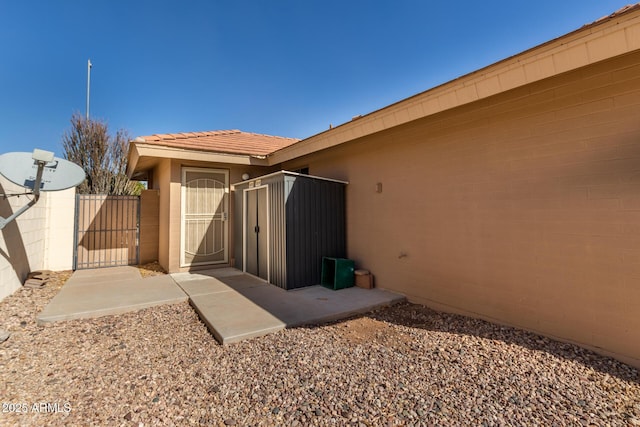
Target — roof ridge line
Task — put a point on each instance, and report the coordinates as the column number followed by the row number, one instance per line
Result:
column 270, row 136
column 208, row 133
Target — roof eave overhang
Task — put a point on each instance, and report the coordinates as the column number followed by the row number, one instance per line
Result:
column 140, row 151
column 602, row 40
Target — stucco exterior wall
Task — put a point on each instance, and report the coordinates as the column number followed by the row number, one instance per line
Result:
column 167, row 178
column 41, row 238
column 174, row 217
column 161, row 181
column 60, row 211
column 523, row 208
column 149, row 225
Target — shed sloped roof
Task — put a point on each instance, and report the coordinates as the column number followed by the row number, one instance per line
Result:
column 221, row 141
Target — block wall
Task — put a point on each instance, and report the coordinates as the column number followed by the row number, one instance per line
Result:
column 523, row 208
column 41, row 238
column 60, row 220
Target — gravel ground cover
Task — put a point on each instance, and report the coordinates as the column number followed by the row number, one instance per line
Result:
column 403, row 365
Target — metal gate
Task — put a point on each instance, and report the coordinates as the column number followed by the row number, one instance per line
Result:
column 107, row 231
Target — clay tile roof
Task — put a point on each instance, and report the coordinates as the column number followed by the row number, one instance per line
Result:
column 621, row 11
column 221, row 141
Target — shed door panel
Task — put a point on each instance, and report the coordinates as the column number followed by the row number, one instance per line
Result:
column 262, row 234
column 256, row 233
column 251, row 235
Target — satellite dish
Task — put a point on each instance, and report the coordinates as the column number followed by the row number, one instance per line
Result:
column 57, row 174
column 38, row 171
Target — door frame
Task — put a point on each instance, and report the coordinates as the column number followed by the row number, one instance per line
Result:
column 183, row 175
column 245, row 194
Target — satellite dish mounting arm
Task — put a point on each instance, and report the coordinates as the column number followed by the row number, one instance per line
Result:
column 42, row 158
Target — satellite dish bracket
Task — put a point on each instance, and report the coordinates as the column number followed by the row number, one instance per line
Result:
column 41, row 157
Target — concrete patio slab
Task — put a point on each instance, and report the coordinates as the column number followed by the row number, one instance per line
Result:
column 237, row 306
column 220, row 272
column 317, row 304
column 101, row 293
column 202, row 286
column 204, row 274
column 234, row 306
column 101, row 275
column 231, row 317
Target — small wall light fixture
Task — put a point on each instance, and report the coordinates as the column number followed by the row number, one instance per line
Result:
column 245, row 176
column 379, row 187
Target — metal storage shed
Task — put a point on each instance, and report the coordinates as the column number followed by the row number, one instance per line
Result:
column 285, row 223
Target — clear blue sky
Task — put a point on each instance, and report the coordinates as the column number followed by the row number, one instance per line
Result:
column 280, row 67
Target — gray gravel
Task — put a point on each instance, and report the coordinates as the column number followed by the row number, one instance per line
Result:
column 404, row 365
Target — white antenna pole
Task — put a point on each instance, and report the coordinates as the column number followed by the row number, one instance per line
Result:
column 88, row 84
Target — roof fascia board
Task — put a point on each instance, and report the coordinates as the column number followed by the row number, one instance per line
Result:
column 592, row 43
column 132, row 159
column 152, row 150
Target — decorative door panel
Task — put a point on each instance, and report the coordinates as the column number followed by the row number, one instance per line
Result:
column 205, row 206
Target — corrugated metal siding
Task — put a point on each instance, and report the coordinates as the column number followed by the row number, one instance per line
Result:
column 277, row 220
column 315, row 228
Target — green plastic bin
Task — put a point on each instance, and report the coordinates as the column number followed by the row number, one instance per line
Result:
column 337, row 273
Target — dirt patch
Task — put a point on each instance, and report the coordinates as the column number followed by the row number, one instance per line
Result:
column 366, row 330
column 151, row 269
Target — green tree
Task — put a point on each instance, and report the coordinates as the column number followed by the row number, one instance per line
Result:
column 102, row 156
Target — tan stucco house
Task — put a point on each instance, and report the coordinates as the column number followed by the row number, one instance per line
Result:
column 510, row 194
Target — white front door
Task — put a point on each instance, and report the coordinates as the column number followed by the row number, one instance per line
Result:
column 205, row 207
